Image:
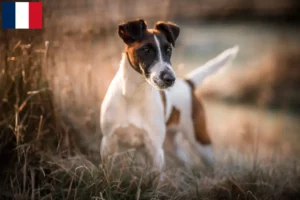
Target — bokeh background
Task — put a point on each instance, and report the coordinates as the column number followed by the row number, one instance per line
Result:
column 52, row 82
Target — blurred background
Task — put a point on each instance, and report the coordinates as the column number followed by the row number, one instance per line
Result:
column 52, row 81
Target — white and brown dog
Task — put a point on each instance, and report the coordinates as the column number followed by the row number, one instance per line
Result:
column 143, row 100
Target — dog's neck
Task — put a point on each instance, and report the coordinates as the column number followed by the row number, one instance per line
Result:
column 134, row 84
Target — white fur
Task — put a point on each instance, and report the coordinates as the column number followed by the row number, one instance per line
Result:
column 158, row 48
column 130, row 100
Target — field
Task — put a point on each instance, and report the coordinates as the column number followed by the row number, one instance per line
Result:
column 52, row 82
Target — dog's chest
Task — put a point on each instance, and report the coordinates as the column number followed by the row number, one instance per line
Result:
column 134, row 119
column 133, row 113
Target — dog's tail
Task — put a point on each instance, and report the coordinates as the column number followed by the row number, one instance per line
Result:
column 197, row 76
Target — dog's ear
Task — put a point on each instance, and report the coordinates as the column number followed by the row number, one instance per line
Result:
column 132, row 30
column 169, row 29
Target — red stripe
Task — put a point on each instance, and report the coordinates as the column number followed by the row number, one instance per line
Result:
column 35, row 15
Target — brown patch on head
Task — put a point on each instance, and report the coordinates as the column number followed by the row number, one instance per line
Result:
column 198, row 117
column 141, row 48
column 142, row 54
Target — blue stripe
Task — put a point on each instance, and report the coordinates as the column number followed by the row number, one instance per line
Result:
column 8, row 15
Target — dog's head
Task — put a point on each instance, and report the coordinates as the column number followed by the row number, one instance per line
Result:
column 149, row 50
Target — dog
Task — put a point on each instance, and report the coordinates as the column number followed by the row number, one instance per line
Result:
column 145, row 99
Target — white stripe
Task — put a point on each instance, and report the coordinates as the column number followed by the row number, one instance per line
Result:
column 22, row 15
column 158, row 47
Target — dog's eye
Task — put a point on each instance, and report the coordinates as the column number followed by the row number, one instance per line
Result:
column 146, row 50
column 168, row 50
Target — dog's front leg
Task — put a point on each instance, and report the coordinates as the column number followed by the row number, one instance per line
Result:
column 157, row 155
column 154, row 145
column 109, row 146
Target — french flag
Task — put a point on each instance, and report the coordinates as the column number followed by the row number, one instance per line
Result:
column 22, row 15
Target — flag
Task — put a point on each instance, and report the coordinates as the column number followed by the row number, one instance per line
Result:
column 22, row 15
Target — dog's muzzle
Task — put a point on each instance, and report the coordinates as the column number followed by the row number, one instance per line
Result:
column 167, row 77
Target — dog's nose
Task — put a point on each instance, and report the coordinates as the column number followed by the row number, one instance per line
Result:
column 167, row 77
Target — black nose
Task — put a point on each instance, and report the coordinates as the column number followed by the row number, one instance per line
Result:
column 167, row 77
